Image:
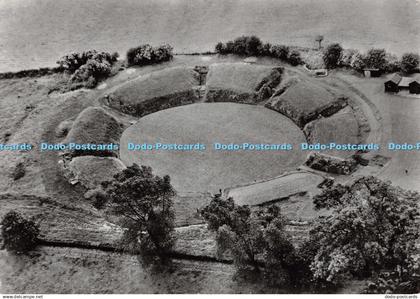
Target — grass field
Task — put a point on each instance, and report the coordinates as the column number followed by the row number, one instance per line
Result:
column 238, row 77
column 94, row 125
column 211, row 170
column 155, row 91
column 154, row 85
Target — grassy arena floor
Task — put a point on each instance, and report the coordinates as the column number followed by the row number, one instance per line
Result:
column 211, row 170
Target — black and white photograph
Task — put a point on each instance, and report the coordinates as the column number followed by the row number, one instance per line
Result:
column 210, row 147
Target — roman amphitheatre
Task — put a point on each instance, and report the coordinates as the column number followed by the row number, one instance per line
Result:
column 192, row 99
column 225, row 103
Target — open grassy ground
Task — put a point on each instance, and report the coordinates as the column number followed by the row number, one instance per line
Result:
column 36, row 33
column 340, row 128
column 211, row 170
column 304, row 100
column 275, row 189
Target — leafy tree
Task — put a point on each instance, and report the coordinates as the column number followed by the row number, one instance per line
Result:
column 280, row 52
column 376, row 58
column 256, row 239
column 372, row 227
column 294, row 58
column 19, row 235
column 145, row 202
column 332, row 55
column 410, row 62
column 220, row 48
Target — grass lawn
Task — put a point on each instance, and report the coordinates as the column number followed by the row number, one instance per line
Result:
column 211, row 170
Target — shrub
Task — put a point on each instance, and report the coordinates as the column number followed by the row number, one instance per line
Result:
column 347, row 57
column 392, row 282
column 92, row 72
column 221, row 48
column 256, row 239
column 358, row 62
column 410, row 62
column 74, row 61
column 280, row 52
column 376, row 58
column 19, row 234
column 146, row 54
column 145, row 202
column 19, row 171
column 393, row 64
column 332, row 55
column 372, row 228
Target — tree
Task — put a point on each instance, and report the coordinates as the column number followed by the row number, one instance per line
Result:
column 319, row 39
column 145, row 202
column 332, row 55
column 372, row 227
column 146, row 54
column 294, row 58
column 280, row 52
column 376, row 58
column 256, row 239
column 19, row 235
column 410, row 62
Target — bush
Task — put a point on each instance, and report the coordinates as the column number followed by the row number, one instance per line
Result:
column 88, row 68
column 146, row 54
column 394, row 283
column 19, row 171
column 410, row 62
column 372, row 228
column 92, row 72
column 19, row 234
column 332, row 55
column 74, row 61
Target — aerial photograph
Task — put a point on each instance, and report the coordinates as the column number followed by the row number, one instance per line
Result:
column 209, row 147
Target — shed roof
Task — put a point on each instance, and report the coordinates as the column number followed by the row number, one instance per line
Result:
column 395, row 79
column 405, row 81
